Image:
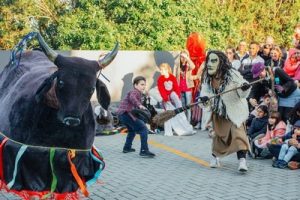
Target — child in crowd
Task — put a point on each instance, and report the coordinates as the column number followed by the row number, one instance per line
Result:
column 170, row 93
column 184, row 77
column 266, row 102
column 134, row 125
column 275, row 130
column 290, row 148
column 259, row 123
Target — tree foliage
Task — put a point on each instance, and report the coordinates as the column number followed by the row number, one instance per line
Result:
column 147, row 24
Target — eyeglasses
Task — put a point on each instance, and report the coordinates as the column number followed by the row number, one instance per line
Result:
column 229, row 52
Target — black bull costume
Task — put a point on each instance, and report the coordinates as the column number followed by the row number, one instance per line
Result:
column 47, row 126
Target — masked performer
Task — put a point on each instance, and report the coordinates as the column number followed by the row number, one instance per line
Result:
column 229, row 111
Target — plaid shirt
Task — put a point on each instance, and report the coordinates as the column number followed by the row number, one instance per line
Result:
column 131, row 101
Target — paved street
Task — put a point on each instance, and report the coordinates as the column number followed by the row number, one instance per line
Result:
column 180, row 171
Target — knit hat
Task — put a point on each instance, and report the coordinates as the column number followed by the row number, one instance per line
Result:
column 297, row 124
column 257, row 68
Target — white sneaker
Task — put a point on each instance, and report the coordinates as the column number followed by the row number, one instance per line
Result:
column 243, row 166
column 214, row 162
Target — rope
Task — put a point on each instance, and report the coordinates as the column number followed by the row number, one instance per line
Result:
column 1, row 157
column 20, row 47
column 71, row 154
column 101, row 167
column 18, row 157
column 43, row 147
column 54, row 178
column 100, row 73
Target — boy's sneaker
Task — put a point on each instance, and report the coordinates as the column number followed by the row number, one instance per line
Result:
column 242, row 165
column 151, row 132
column 147, row 154
column 276, row 163
column 125, row 150
column 214, row 162
column 282, row 164
column 294, row 165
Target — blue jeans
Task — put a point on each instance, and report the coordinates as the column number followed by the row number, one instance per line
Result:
column 134, row 126
column 186, row 99
column 287, row 152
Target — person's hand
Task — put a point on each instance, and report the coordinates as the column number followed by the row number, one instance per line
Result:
column 253, row 102
column 279, row 88
column 294, row 136
column 297, row 83
column 245, row 86
column 142, row 107
column 293, row 142
column 271, row 93
column 296, row 143
column 183, row 55
column 203, row 99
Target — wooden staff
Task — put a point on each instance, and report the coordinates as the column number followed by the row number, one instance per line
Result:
column 162, row 117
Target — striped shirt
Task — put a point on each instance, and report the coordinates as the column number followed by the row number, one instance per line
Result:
column 132, row 100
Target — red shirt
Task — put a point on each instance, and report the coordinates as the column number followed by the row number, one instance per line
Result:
column 182, row 84
column 166, row 86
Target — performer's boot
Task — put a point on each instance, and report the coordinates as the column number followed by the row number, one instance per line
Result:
column 214, row 162
column 242, row 165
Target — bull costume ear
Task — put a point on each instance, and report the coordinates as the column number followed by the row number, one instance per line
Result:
column 103, row 95
column 45, row 87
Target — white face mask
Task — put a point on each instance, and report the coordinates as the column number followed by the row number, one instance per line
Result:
column 212, row 64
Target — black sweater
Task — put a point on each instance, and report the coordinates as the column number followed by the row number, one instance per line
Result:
column 281, row 78
column 258, row 126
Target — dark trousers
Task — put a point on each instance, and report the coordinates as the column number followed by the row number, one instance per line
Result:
column 284, row 112
column 134, row 126
column 275, row 149
column 241, row 154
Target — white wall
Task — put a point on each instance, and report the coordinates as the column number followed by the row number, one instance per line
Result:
column 126, row 66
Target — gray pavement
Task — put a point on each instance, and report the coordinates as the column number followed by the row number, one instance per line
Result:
column 179, row 171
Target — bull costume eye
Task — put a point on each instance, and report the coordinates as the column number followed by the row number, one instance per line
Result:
column 60, row 84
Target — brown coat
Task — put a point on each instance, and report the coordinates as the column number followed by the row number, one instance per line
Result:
column 229, row 138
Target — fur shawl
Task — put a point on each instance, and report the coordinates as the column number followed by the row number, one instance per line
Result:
column 235, row 102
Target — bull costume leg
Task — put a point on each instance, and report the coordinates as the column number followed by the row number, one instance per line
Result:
column 229, row 111
column 47, row 124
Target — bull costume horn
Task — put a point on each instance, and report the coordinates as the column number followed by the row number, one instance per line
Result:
column 51, row 54
column 108, row 58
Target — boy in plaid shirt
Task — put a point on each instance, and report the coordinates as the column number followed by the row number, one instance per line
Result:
column 134, row 125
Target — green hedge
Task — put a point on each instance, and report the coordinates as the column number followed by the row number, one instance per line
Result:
column 147, row 24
